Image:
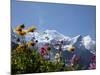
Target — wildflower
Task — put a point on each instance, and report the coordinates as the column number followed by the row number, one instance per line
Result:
column 57, row 56
column 19, row 29
column 74, row 59
column 67, row 63
column 31, row 29
column 22, row 33
column 93, row 62
column 20, row 48
column 58, row 60
column 31, row 43
column 71, row 48
column 92, row 66
column 43, row 51
column 46, row 57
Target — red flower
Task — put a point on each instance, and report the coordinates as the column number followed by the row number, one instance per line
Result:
column 43, row 51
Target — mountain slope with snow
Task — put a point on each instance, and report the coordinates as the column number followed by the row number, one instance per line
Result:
column 53, row 37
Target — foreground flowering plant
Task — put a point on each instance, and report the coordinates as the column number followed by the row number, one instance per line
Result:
column 27, row 57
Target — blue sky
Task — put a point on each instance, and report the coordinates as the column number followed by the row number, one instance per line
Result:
column 70, row 20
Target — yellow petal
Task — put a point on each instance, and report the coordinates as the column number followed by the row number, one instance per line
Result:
column 18, row 29
column 71, row 49
column 32, row 29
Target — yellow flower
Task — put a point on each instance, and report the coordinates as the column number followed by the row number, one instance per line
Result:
column 31, row 43
column 71, row 48
column 18, row 29
column 22, row 33
column 31, row 29
column 20, row 48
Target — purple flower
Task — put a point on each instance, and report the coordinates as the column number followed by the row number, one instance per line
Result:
column 74, row 59
column 67, row 65
column 46, row 57
column 92, row 66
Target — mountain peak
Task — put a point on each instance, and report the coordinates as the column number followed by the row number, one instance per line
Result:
column 89, row 43
column 77, row 37
column 50, row 30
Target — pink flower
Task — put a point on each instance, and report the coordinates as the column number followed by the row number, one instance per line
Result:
column 92, row 66
column 74, row 59
column 93, row 62
column 44, row 50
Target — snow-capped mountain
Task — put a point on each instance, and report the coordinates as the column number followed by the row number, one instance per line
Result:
column 49, row 35
column 53, row 37
column 89, row 43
